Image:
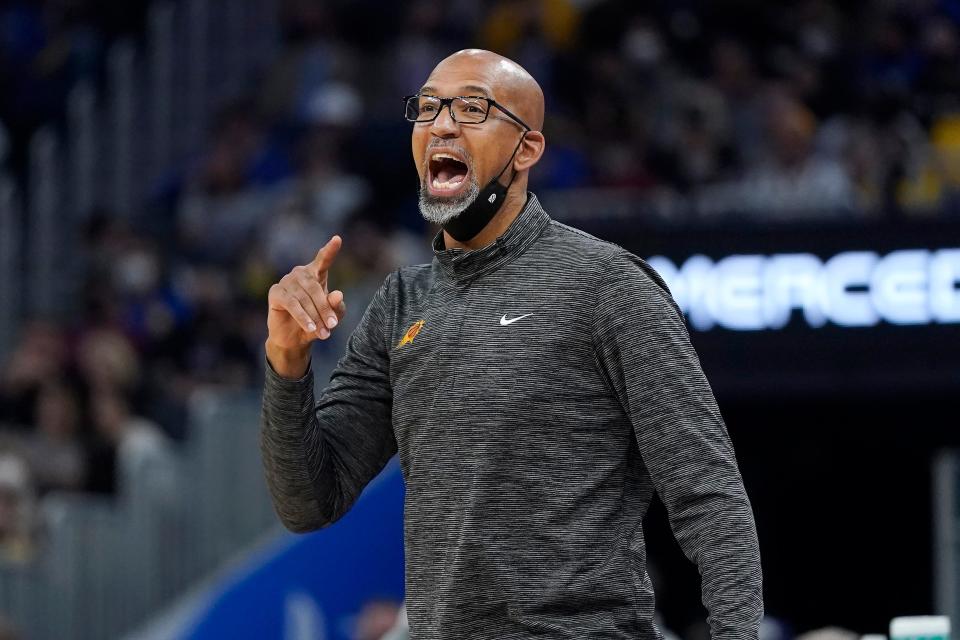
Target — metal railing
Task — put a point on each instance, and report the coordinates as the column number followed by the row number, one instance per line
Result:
column 154, row 108
column 107, row 563
column 10, row 242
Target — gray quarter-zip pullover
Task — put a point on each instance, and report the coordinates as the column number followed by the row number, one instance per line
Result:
column 538, row 391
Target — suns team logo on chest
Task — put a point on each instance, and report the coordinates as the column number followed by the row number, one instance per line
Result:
column 411, row 333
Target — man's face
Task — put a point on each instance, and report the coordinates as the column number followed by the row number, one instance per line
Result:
column 454, row 159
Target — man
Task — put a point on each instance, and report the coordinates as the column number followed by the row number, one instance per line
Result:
column 538, row 384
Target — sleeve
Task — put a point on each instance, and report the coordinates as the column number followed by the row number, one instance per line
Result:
column 644, row 350
column 319, row 456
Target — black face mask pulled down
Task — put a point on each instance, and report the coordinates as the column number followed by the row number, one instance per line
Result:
column 471, row 221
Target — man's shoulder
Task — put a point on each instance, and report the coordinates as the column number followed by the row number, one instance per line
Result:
column 564, row 236
column 407, row 280
column 611, row 261
column 570, row 244
column 414, row 273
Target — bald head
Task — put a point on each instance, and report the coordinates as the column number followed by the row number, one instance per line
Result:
column 459, row 161
column 505, row 81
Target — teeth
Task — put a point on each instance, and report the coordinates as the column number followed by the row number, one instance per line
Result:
column 452, row 183
column 449, row 184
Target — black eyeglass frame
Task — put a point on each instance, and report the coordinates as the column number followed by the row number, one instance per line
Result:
column 447, row 102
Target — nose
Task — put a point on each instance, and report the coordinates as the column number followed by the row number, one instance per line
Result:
column 444, row 126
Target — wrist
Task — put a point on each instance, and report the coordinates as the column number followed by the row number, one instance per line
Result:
column 290, row 363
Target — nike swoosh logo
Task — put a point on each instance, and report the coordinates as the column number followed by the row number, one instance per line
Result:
column 504, row 322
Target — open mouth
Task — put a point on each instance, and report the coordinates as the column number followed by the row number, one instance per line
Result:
column 447, row 174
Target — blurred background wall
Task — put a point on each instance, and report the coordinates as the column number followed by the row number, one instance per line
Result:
column 791, row 168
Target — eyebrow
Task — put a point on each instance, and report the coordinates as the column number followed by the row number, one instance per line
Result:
column 476, row 89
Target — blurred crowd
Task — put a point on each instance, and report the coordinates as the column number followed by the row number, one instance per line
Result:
column 748, row 110
column 45, row 47
column 753, row 111
column 801, row 109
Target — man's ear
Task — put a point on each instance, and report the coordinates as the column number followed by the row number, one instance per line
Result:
column 531, row 149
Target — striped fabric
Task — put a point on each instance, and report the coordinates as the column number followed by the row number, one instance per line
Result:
column 538, row 392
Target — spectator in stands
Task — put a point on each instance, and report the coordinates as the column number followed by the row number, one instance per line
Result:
column 225, row 196
column 734, row 74
column 938, row 81
column 40, row 355
column 53, row 449
column 794, row 181
column 321, row 198
column 108, row 361
column 421, row 40
column 17, row 508
column 143, row 452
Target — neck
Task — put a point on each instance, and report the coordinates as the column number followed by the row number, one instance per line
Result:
column 513, row 204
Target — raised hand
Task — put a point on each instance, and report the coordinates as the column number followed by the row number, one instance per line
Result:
column 301, row 309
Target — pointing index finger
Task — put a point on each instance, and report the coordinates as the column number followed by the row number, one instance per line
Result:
column 324, row 258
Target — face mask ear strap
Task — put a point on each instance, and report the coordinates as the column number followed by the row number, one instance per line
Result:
column 510, row 161
column 474, row 218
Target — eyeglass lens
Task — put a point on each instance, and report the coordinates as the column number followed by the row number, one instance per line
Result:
column 463, row 109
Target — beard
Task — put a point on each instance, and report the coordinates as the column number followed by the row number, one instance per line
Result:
column 442, row 210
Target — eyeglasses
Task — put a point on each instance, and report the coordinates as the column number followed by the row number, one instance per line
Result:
column 463, row 109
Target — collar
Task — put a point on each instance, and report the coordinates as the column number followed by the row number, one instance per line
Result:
column 462, row 266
